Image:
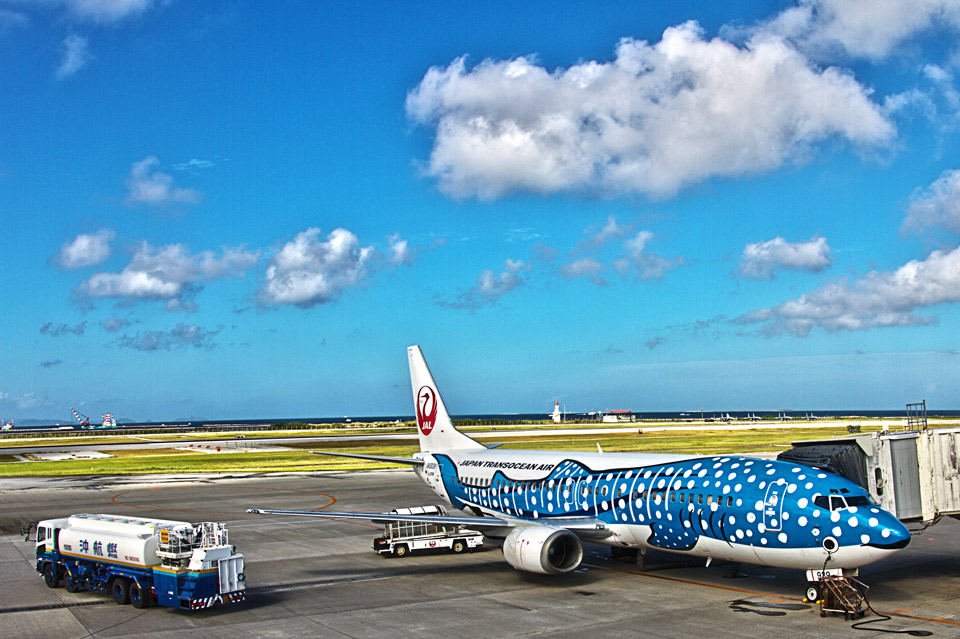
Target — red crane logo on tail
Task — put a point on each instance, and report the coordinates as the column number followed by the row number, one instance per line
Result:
column 426, row 409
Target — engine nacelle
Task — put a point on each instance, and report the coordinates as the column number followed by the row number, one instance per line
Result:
column 543, row 549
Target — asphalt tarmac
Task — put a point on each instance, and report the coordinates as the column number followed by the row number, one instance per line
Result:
column 317, row 578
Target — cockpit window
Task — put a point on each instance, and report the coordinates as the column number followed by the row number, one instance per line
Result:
column 836, row 502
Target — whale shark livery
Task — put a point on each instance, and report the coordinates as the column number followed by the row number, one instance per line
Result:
column 543, row 504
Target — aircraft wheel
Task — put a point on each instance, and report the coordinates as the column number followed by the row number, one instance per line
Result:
column 813, row 592
column 458, row 546
column 401, row 550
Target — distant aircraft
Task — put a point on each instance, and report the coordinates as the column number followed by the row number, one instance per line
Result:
column 784, row 417
column 544, row 504
column 811, row 417
column 753, row 418
column 6, row 425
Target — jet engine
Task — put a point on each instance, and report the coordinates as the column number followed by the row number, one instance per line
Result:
column 543, row 549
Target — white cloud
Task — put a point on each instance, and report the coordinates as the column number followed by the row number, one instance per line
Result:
column 863, row 28
column 12, row 20
column 584, row 267
column 87, row 249
column 98, row 11
column 637, row 262
column 490, row 286
column 760, row 260
column 608, row 232
column 57, row 330
column 656, row 118
column 75, row 56
column 890, row 298
column 180, row 336
column 148, row 186
column 307, row 271
column 114, row 324
column 23, row 401
column 193, row 164
column 169, row 274
column 937, row 206
column 400, row 251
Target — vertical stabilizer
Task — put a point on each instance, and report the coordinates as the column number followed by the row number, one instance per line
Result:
column 436, row 430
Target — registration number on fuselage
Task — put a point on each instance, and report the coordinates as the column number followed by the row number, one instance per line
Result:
column 817, row 575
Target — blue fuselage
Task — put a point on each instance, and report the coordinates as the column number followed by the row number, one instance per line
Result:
column 739, row 508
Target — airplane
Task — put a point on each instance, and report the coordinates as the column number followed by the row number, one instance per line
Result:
column 753, row 418
column 784, row 417
column 811, row 417
column 544, row 504
column 6, row 425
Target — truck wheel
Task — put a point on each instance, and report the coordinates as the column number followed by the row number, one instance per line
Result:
column 139, row 597
column 399, row 551
column 70, row 583
column 458, row 546
column 120, row 589
column 50, row 576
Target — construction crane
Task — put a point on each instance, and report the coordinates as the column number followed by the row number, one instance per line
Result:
column 83, row 419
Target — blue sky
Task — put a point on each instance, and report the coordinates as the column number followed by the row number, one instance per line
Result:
column 246, row 209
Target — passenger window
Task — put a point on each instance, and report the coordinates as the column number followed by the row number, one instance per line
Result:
column 681, row 497
column 673, row 497
column 699, row 499
column 729, row 502
column 709, row 499
column 603, row 491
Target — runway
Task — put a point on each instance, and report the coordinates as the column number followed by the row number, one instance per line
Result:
column 315, row 578
column 496, row 434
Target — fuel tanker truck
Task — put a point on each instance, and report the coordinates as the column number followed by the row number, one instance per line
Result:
column 141, row 561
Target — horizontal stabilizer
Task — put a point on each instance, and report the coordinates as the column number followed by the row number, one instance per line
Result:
column 477, row 523
column 409, row 461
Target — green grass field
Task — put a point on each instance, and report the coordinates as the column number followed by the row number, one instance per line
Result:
column 297, row 457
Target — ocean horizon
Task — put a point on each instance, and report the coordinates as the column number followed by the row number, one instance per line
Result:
column 769, row 415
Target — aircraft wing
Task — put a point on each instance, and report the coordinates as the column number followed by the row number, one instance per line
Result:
column 477, row 523
column 584, row 527
column 409, row 461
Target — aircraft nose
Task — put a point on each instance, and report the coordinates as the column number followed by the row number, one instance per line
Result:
column 886, row 534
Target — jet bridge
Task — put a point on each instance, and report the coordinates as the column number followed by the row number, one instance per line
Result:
column 914, row 474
